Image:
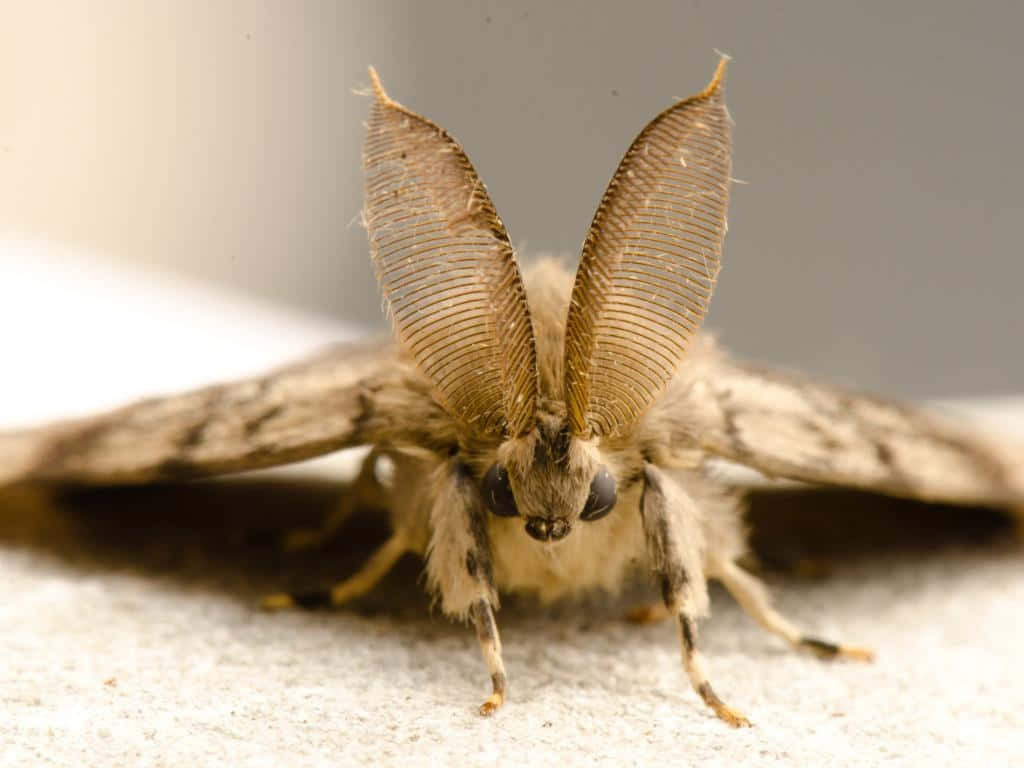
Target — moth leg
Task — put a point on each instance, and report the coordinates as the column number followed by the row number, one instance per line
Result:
column 459, row 567
column 356, row 585
column 490, row 647
column 649, row 613
column 672, row 529
column 364, row 492
column 300, row 539
column 753, row 597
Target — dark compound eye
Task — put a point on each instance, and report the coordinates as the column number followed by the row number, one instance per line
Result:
column 602, row 496
column 498, row 493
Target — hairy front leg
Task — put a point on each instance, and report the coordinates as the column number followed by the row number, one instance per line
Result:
column 459, row 566
column 673, row 532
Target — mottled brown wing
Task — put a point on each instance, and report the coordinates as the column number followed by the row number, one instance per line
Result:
column 351, row 395
column 787, row 426
column 649, row 264
column 447, row 271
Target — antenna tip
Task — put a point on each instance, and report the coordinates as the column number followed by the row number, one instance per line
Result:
column 719, row 77
column 378, row 89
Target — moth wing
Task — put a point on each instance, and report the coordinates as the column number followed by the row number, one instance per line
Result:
column 787, row 426
column 352, row 394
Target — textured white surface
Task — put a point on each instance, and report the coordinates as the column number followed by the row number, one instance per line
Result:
column 115, row 668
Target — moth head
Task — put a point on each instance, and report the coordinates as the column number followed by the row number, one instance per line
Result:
column 550, row 480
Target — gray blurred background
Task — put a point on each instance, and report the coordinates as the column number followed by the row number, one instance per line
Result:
column 876, row 240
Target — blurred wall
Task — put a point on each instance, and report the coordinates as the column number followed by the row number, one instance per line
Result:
column 876, row 240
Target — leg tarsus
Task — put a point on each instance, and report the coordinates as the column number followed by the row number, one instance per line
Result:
column 490, row 648
column 693, row 660
column 753, row 597
column 356, row 585
column 651, row 613
column 721, row 709
column 304, row 539
column 278, row 601
column 365, row 491
column 495, row 700
column 828, row 651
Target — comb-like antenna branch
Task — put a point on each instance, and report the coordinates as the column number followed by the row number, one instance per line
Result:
column 447, row 271
column 649, row 263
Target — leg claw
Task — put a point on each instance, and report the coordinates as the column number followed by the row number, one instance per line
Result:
column 279, row 601
column 492, row 705
column 856, row 653
column 830, row 651
column 652, row 613
column 720, row 708
column 732, row 717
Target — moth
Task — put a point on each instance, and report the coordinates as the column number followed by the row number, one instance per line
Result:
column 547, row 434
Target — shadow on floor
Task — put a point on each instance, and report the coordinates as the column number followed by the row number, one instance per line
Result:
column 225, row 535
